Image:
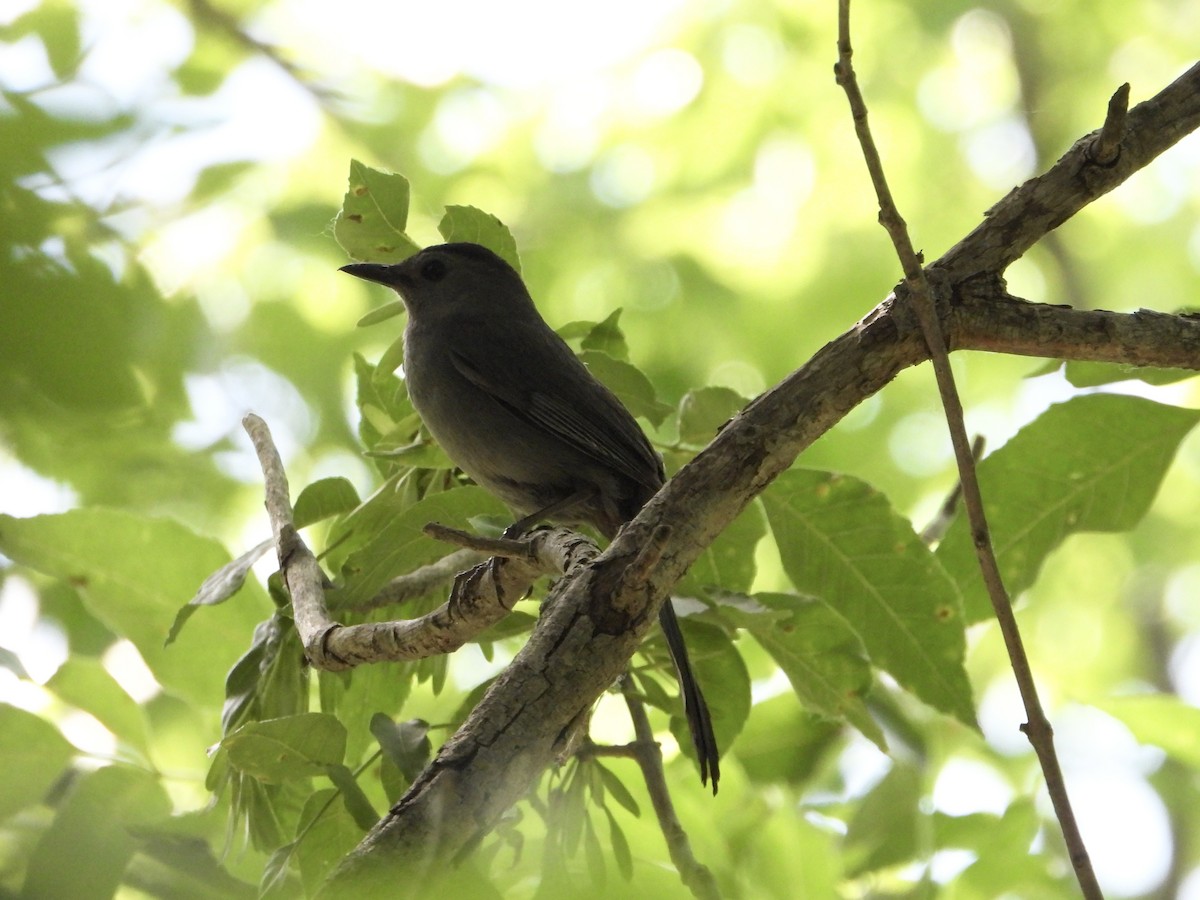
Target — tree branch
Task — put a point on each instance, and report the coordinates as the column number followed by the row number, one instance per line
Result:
column 587, row 634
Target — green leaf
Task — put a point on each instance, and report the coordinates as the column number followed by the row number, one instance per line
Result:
column 466, row 223
column 783, row 742
column 1093, row 374
column 841, row 542
column 92, row 829
column 883, row 831
column 324, row 499
column 822, row 657
column 276, row 750
column 405, row 744
column 84, row 683
column 728, row 563
column 219, row 587
column 389, row 310
column 629, row 384
column 326, row 833
column 1162, row 720
column 721, row 673
column 132, row 572
column 35, row 755
column 704, row 412
column 371, row 224
column 353, row 798
column 400, row 545
column 620, row 847
column 607, row 337
column 1093, row 463
column 616, row 787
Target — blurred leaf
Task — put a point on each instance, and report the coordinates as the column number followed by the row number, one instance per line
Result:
column 822, row 657
column 371, row 224
column 326, row 833
column 324, row 499
column 704, row 411
column 721, row 673
column 783, row 742
column 1093, row 374
column 132, row 571
column 399, row 545
column 841, row 541
column 91, row 829
column 883, row 831
column 276, row 750
column 379, row 314
column 86, row 684
column 620, row 847
column 1162, row 720
column 219, row 586
column 607, row 337
column 353, row 799
column 616, row 788
column 405, row 744
column 466, row 223
column 629, row 384
column 35, row 756
column 728, row 562
column 1093, row 463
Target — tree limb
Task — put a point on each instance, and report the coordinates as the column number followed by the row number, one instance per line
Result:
column 595, row 619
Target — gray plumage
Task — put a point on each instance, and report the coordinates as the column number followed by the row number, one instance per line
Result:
column 515, row 409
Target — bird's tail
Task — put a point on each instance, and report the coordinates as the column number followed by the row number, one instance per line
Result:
column 694, row 707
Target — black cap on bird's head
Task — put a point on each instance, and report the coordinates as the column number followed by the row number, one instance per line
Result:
column 446, row 273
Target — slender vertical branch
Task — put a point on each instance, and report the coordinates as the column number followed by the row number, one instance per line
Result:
column 695, row 875
column 1037, row 727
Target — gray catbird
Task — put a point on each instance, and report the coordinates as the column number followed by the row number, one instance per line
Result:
column 511, row 405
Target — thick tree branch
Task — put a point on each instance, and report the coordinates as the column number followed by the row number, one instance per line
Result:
column 595, row 619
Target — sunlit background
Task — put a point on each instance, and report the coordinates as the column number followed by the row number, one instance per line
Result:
column 692, row 163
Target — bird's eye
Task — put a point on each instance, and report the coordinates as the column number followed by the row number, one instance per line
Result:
column 434, row 270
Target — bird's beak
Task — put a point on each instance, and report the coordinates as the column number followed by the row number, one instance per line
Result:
column 392, row 276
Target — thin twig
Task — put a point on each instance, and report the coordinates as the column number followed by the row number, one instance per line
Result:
column 694, row 874
column 1037, row 727
column 936, row 529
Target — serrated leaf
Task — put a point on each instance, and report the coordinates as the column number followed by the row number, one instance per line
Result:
column 466, row 223
column 1093, row 463
column 822, row 657
column 841, row 542
column 703, row 412
column 324, row 499
column 629, row 384
column 371, row 224
column 276, row 750
column 728, row 563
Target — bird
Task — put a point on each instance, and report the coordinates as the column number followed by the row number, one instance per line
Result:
column 513, row 407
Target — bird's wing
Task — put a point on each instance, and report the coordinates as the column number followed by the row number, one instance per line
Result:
column 576, row 409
